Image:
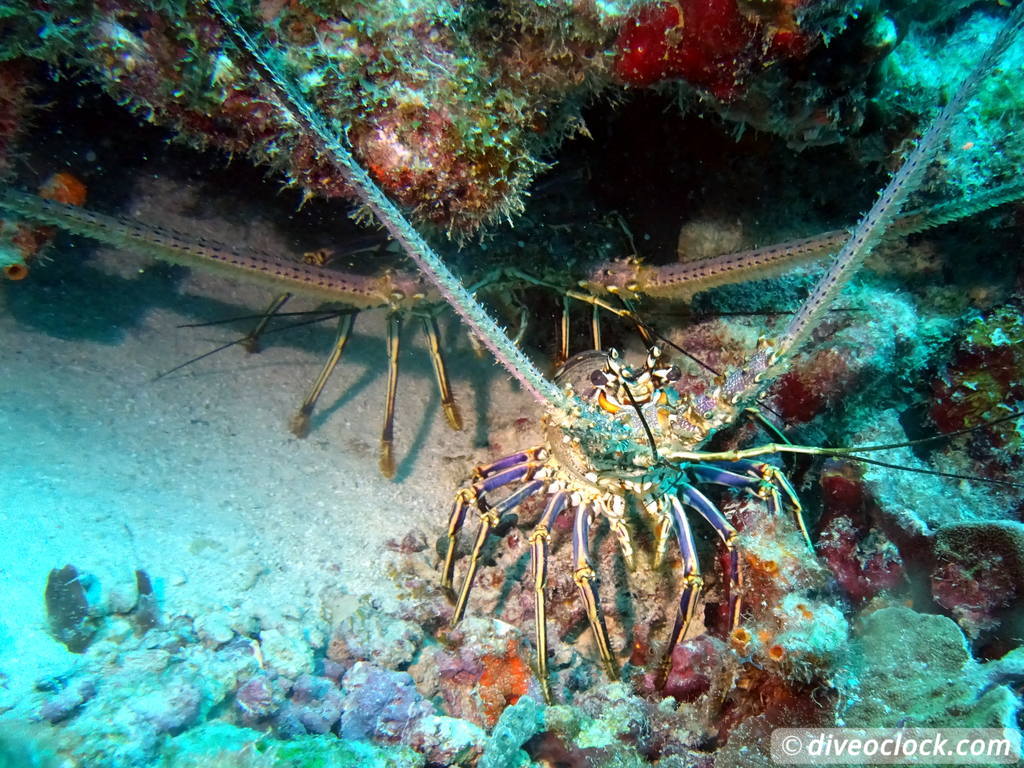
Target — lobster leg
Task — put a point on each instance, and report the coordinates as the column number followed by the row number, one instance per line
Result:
column 662, row 529
column 524, row 323
column 693, row 582
column 387, row 434
column 540, row 538
column 463, row 499
column 494, row 476
column 616, row 513
column 489, row 518
column 300, row 421
column 507, row 462
column 584, row 575
column 451, row 411
column 719, row 475
column 778, row 481
column 727, row 533
column 773, row 485
column 251, row 342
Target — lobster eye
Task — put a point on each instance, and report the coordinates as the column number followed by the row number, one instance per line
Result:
column 673, row 374
column 598, row 379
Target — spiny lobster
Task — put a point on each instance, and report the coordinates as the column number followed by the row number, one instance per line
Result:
column 614, row 432
column 607, row 288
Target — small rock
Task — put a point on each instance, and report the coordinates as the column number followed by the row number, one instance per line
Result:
column 68, row 608
column 170, row 709
column 68, row 700
column 288, row 652
column 255, row 698
column 686, row 680
column 447, row 740
column 316, row 703
column 516, row 725
column 380, row 703
column 368, row 634
column 214, row 629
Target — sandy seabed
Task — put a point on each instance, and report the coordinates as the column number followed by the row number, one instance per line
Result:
column 195, row 477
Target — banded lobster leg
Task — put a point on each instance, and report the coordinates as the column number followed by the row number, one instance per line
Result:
column 596, row 305
column 564, row 327
column 518, row 467
column 540, row 539
column 688, row 496
column 584, row 575
column 693, row 582
column 251, row 342
column 466, row 497
column 300, row 421
column 386, row 462
column 433, row 336
column 614, row 511
column 764, row 480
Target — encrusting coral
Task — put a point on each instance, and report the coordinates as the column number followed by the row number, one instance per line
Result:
column 454, row 108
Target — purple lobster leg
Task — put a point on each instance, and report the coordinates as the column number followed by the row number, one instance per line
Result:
column 489, row 517
column 773, row 486
column 693, row 582
column 727, row 533
column 467, row 497
column 530, row 454
column 720, row 475
column 540, row 538
column 584, row 575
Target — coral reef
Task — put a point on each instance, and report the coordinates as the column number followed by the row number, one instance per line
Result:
column 851, row 541
column 181, row 696
column 916, row 670
column 717, row 46
column 449, row 107
column 454, row 108
column 979, row 574
column 982, row 381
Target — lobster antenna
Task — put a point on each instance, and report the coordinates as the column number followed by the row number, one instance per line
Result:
column 643, row 421
column 936, row 472
column 325, row 314
column 1012, row 416
column 871, row 228
column 851, row 452
column 299, row 111
column 243, row 339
